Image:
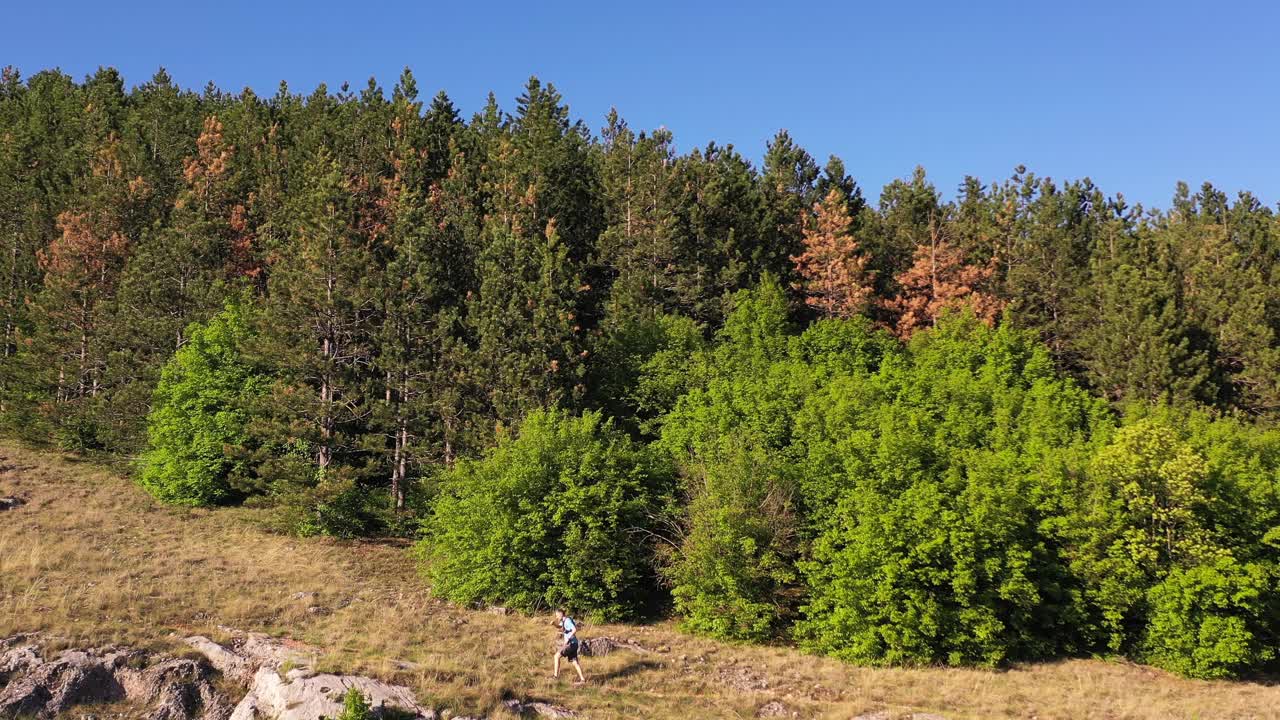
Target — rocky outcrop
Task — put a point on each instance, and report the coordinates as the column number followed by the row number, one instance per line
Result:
column 304, row 695
column 46, row 687
column 175, row 688
column 230, row 664
column 278, row 675
column 283, row 686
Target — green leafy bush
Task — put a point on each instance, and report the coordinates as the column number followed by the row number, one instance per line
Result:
column 642, row 367
column 79, row 430
column 1242, row 478
column 927, row 485
column 1138, row 516
column 1169, row 542
column 559, row 514
column 733, row 575
column 335, row 505
column 734, row 438
column 676, row 365
column 1215, row 620
column 959, row 501
column 199, row 416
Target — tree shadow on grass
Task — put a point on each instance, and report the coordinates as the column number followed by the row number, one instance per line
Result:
column 1267, row 678
column 632, row 668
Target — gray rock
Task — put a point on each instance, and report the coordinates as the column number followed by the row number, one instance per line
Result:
column 305, row 696
column 772, row 709
column 223, row 660
column 171, row 688
column 175, row 689
column 301, row 694
column 19, row 659
column 262, row 651
column 604, row 645
column 541, row 709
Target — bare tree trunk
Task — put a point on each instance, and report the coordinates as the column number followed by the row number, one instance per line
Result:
column 84, row 347
column 401, row 473
column 448, row 440
column 10, row 324
column 400, row 460
column 324, row 454
column 397, row 464
column 330, row 349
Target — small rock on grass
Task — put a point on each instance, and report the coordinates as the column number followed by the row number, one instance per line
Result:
column 540, row 709
column 772, row 709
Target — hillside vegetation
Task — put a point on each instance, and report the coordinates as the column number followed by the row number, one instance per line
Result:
column 92, row 559
column 1029, row 422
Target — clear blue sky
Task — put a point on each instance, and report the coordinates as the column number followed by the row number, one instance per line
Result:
column 1136, row 95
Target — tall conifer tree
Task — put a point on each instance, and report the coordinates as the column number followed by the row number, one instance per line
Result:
column 318, row 314
column 833, row 273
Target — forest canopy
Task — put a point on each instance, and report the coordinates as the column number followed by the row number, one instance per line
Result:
column 581, row 367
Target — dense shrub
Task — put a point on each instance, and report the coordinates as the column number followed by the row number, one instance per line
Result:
column 1170, row 543
column 954, row 500
column 642, row 367
column 676, row 365
column 1139, row 515
column 199, row 416
column 927, row 484
column 1242, row 478
column 733, row 574
column 1214, row 620
column 333, row 505
column 559, row 514
column 959, row 501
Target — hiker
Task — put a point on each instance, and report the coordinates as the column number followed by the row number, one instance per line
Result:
column 569, row 645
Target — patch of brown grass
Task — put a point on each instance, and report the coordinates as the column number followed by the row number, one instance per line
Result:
column 94, row 560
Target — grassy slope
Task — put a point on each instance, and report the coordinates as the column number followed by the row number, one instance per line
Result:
column 93, row 559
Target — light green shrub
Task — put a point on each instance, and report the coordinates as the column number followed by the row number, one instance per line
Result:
column 561, row 513
column 199, row 416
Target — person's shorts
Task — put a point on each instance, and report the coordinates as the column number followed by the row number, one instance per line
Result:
column 570, row 651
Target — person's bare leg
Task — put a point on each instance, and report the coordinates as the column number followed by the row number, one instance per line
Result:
column 577, row 666
column 556, row 672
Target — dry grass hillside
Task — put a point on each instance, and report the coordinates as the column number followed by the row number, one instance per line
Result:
column 91, row 558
